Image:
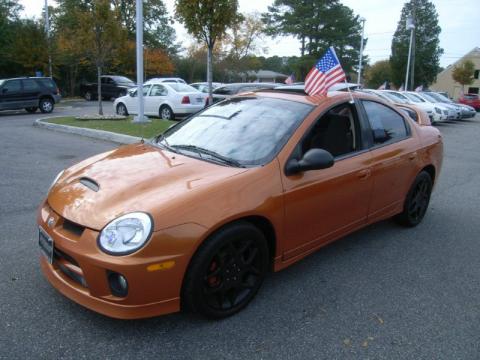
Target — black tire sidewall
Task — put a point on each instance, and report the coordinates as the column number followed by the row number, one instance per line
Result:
column 192, row 290
column 404, row 218
column 124, row 107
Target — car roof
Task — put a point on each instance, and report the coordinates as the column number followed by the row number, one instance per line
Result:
column 28, row 77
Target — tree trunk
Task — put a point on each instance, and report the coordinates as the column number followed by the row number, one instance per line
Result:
column 303, row 45
column 209, row 73
column 99, row 90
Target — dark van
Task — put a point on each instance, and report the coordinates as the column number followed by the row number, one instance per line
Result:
column 29, row 93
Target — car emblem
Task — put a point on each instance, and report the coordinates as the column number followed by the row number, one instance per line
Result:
column 51, row 221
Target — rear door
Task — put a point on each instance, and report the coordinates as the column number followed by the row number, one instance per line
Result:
column 11, row 95
column 394, row 158
column 157, row 96
column 31, row 92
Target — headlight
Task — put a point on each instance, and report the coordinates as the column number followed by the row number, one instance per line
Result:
column 438, row 111
column 56, row 179
column 126, row 234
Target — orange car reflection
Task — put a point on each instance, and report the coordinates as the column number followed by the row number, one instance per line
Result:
column 195, row 218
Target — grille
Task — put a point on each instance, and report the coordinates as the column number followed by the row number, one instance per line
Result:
column 69, row 267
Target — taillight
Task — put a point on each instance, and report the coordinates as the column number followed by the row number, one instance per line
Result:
column 186, row 100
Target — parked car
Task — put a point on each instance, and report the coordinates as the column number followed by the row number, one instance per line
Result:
column 113, row 86
column 436, row 112
column 163, row 99
column 418, row 114
column 203, row 86
column 466, row 111
column 470, row 99
column 449, row 111
column 169, row 80
column 229, row 90
column 29, row 93
column 195, row 218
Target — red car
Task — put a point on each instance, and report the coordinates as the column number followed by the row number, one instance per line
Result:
column 470, row 99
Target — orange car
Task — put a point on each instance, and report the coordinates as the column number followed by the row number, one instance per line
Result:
column 195, row 218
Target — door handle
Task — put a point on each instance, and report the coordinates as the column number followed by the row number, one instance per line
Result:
column 412, row 156
column 364, row 174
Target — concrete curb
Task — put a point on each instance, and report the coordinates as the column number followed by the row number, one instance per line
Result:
column 91, row 133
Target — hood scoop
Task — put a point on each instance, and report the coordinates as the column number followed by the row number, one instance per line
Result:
column 90, row 183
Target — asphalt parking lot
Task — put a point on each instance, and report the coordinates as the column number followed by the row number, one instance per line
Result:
column 384, row 292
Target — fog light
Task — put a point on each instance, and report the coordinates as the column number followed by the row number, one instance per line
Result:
column 118, row 284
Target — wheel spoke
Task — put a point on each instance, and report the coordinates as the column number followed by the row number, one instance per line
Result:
column 251, row 256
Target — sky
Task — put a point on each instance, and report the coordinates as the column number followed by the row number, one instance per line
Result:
column 460, row 30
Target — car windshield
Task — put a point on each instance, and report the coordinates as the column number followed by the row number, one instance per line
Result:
column 1, row 82
column 414, row 98
column 179, row 87
column 123, row 80
column 430, row 98
column 248, row 131
column 399, row 97
column 440, row 98
column 394, row 98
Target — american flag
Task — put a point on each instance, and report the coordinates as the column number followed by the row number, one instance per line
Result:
column 324, row 74
column 290, row 80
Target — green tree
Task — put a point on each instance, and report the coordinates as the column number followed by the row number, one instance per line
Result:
column 207, row 20
column 318, row 24
column 426, row 40
column 463, row 74
column 158, row 30
column 378, row 73
column 9, row 17
column 101, row 32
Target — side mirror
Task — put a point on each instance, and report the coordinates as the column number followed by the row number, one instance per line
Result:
column 380, row 135
column 314, row 159
column 131, row 93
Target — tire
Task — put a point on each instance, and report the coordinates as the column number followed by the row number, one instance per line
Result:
column 416, row 202
column 32, row 109
column 47, row 105
column 166, row 113
column 122, row 109
column 226, row 272
column 88, row 96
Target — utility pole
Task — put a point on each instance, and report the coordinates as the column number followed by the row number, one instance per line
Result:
column 140, row 118
column 412, row 66
column 360, row 60
column 47, row 31
column 410, row 26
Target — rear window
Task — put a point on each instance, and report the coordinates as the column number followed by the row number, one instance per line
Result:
column 178, row 87
column 48, row 83
column 30, row 85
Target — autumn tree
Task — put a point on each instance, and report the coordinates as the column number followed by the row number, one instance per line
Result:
column 9, row 18
column 427, row 44
column 207, row 20
column 463, row 74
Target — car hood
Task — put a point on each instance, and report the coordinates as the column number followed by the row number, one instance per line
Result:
column 139, row 177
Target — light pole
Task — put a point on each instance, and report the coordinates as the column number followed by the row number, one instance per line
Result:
column 410, row 26
column 140, row 118
column 360, row 60
column 47, row 31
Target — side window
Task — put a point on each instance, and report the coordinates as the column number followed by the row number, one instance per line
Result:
column 103, row 80
column 48, row 83
column 30, row 85
column 145, row 89
column 387, row 125
column 158, row 90
column 336, row 132
column 12, row 86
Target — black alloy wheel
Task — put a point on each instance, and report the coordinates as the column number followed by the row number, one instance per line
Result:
column 88, row 96
column 417, row 200
column 227, row 271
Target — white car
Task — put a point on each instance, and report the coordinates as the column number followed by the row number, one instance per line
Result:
column 165, row 100
column 169, row 80
column 448, row 110
column 437, row 111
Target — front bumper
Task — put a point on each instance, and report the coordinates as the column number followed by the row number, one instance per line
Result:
column 80, row 271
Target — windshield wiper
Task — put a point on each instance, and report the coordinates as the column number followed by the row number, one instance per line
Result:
column 215, row 155
column 162, row 140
